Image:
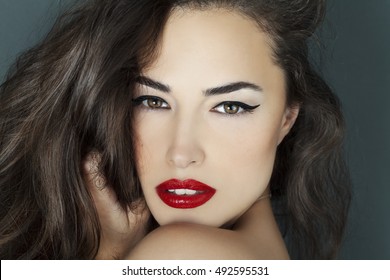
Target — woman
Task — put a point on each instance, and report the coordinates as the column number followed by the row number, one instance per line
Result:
column 196, row 110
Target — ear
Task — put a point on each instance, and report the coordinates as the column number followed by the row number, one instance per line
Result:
column 289, row 117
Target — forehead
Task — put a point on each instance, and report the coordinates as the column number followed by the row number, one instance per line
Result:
column 217, row 45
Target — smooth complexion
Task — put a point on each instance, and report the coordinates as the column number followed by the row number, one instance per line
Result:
column 211, row 108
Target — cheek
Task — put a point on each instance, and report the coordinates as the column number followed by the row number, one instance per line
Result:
column 148, row 136
column 253, row 148
column 245, row 156
column 252, row 156
column 248, row 142
column 148, row 162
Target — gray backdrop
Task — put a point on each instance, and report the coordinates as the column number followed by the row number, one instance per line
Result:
column 356, row 63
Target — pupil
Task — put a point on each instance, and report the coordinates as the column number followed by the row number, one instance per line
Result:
column 231, row 108
column 154, row 103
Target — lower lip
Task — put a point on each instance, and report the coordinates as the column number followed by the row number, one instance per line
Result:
column 204, row 193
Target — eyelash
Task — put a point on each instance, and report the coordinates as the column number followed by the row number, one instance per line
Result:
column 242, row 107
column 141, row 100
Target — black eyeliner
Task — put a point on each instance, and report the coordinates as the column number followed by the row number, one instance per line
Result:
column 140, row 99
column 247, row 108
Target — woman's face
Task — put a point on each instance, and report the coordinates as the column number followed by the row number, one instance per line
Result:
column 210, row 113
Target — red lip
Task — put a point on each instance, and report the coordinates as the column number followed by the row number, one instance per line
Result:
column 166, row 193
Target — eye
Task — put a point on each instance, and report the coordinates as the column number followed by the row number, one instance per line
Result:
column 233, row 108
column 151, row 102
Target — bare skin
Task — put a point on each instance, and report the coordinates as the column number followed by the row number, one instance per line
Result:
column 195, row 139
column 184, row 133
column 255, row 235
column 121, row 230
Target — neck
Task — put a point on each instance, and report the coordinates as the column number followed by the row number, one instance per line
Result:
column 258, row 226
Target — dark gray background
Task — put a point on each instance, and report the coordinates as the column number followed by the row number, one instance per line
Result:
column 355, row 62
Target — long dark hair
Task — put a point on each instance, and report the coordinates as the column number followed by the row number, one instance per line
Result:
column 72, row 94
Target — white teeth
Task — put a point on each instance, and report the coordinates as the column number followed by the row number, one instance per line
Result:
column 182, row 192
column 190, row 192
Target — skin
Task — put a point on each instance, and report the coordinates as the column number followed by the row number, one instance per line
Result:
column 198, row 139
column 120, row 230
column 255, row 236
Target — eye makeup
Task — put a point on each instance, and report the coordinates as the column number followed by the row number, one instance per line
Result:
column 151, row 102
column 234, row 108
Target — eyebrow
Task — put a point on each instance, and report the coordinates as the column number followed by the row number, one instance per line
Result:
column 228, row 88
column 231, row 88
column 153, row 84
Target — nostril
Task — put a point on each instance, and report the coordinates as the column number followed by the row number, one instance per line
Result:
column 181, row 162
column 184, row 157
column 185, row 150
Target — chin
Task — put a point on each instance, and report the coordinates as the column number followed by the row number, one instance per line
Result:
column 217, row 223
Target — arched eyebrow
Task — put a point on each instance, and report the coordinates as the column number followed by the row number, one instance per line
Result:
column 153, row 84
column 208, row 92
column 231, row 88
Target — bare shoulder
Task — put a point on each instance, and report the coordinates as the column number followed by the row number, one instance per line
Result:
column 191, row 241
column 255, row 236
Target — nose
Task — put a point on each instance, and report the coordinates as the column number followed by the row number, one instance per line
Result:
column 185, row 149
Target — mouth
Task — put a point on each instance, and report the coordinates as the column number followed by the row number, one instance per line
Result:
column 184, row 194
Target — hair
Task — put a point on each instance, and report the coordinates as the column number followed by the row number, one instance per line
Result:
column 71, row 94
